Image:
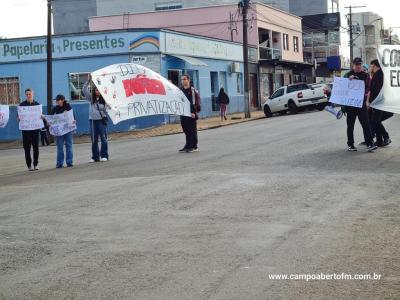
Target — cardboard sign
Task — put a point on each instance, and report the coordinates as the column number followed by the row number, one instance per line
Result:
column 4, row 115
column 61, row 124
column 348, row 92
column 30, row 117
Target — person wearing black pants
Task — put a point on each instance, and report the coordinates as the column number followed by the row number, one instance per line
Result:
column 30, row 138
column 189, row 124
column 362, row 113
column 378, row 116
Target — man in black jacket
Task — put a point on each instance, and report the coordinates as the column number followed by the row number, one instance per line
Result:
column 189, row 124
column 30, row 138
column 361, row 113
column 382, row 137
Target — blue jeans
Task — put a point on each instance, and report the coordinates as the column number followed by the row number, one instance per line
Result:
column 97, row 129
column 66, row 140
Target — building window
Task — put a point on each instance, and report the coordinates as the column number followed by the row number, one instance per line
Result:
column 285, row 41
column 9, row 91
column 76, row 82
column 168, row 6
column 239, row 83
column 296, row 44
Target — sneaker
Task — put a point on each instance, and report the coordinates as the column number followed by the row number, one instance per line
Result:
column 92, row 160
column 104, row 159
column 196, row 149
column 30, row 169
column 36, row 168
column 386, row 142
column 351, row 148
column 183, row 150
column 189, row 150
column 371, row 148
column 70, row 166
column 59, row 167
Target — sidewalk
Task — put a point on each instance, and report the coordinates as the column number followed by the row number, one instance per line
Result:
column 202, row 124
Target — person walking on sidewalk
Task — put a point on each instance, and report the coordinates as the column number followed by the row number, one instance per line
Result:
column 382, row 136
column 189, row 124
column 44, row 138
column 30, row 138
column 353, row 112
column 223, row 101
column 98, row 122
column 66, row 139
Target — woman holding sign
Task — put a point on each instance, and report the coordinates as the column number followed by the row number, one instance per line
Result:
column 66, row 139
column 98, row 122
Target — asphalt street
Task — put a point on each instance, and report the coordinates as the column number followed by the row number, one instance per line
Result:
column 272, row 196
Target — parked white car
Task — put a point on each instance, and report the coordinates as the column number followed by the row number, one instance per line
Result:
column 295, row 97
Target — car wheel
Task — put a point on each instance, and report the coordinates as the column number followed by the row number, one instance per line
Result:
column 321, row 106
column 293, row 107
column 267, row 111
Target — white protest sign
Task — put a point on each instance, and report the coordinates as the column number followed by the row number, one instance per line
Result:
column 4, row 115
column 61, row 124
column 348, row 92
column 133, row 91
column 389, row 97
column 30, row 117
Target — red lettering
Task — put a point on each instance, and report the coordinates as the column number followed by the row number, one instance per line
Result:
column 143, row 85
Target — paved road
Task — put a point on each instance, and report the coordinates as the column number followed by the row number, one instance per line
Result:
column 274, row 196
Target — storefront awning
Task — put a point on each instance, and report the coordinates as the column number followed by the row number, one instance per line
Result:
column 191, row 60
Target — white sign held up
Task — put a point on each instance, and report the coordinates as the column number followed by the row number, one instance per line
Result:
column 4, row 115
column 61, row 124
column 348, row 92
column 30, row 117
column 133, row 91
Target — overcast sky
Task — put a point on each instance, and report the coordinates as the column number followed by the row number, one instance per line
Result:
column 21, row 18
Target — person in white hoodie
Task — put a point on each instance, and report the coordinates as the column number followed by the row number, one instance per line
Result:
column 98, row 122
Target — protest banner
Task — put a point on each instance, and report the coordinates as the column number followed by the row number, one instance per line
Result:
column 389, row 97
column 61, row 124
column 348, row 92
column 4, row 115
column 30, row 117
column 133, row 91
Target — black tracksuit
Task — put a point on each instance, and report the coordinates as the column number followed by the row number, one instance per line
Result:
column 189, row 125
column 30, row 138
column 362, row 113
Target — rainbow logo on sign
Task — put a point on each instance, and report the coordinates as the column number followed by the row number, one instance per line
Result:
column 144, row 39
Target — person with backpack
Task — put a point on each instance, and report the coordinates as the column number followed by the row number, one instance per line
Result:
column 189, row 124
column 361, row 112
column 98, row 122
column 66, row 139
column 223, row 101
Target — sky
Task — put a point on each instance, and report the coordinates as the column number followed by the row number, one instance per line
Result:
column 22, row 18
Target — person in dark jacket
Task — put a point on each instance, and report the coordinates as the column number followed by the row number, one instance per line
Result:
column 377, row 116
column 66, row 139
column 189, row 124
column 223, row 101
column 44, row 134
column 30, row 138
column 353, row 112
column 98, row 122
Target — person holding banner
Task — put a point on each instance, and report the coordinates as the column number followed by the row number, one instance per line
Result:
column 30, row 138
column 353, row 112
column 98, row 122
column 65, row 139
column 189, row 124
column 377, row 116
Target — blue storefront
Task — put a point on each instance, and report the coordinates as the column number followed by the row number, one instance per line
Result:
column 211, row 64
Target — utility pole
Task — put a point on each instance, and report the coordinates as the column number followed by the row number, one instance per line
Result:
column 313, row 58
column 49, row 60
column 245, row 5
column 351, row 28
